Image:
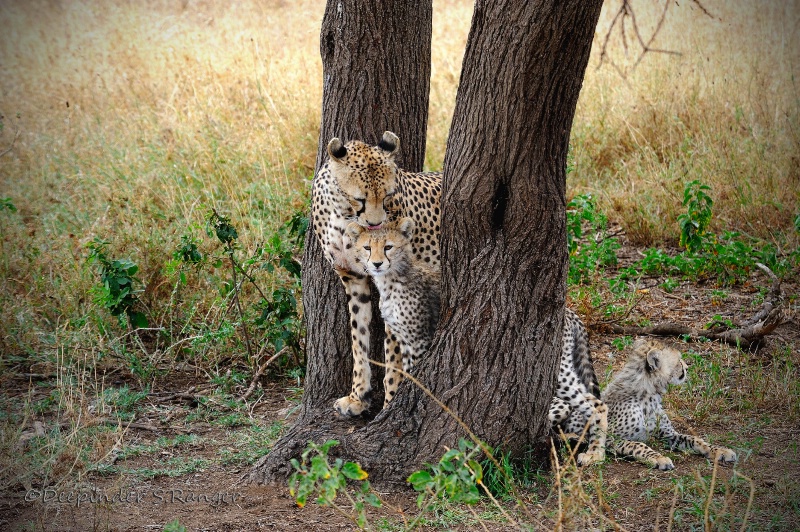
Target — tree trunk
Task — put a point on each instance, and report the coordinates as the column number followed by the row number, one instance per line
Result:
column 376, row 77
column 494, row 359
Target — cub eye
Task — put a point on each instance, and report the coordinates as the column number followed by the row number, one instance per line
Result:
column 387, row 247
column 368, row 248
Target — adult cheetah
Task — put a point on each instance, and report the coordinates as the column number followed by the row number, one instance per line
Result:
column 363, row 184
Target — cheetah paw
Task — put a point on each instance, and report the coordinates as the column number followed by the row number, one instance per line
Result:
column 350, row 407
column 723, row 454
column 592, row 457
column 664, row 463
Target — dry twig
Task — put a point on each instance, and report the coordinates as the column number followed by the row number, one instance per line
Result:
column 261, row 369
column 13, row 141
column 627, row 13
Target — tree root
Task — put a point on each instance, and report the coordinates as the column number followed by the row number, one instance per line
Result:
column 748, row 334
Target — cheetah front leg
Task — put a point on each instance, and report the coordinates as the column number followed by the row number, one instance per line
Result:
column 641, row 452
column 589, row 414
column 596, row 432
column 360, row 306
column 629, row 432
column 394, row 363
column 676, row 440
column 400, row 354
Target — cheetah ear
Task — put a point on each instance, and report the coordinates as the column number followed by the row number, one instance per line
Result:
column 389, row 143
column 336, row 149
column 354, row 230
column 653, row 360
column 406, row 227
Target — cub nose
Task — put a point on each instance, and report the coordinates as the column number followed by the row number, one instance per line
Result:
column 377, row 264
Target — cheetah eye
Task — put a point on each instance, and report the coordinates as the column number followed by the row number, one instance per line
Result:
column 368, row 248
column 387, row 248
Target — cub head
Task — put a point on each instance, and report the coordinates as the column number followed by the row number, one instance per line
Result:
column 366, row 175
column 662, row 364
column 383, row 250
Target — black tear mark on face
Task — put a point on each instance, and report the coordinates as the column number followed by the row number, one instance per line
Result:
column 499, row 205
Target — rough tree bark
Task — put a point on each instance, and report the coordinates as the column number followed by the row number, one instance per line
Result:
column 495, row 356
column 376, row 77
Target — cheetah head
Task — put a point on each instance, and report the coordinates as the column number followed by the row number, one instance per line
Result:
column 366, row 175
column 662, row 364
column 383, row 250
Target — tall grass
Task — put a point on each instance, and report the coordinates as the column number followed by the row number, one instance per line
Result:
column 725, row 111
column 135, row 120
column 130, row 121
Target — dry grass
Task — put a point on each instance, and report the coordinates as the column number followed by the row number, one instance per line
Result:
column 724, row 112
column 135, row 119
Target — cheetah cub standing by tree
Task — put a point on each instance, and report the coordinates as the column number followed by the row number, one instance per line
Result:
column 409, row 294
column 635, row 412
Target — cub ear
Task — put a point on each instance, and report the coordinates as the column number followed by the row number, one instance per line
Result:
column 653, row 359
column 354, row 230
column 389, row 143
column 336, row 149
column 406, row 227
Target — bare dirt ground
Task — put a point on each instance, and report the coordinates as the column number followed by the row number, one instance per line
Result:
column 211, row 497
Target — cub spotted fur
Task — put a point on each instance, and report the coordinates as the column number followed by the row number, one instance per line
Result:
column 635, row 412
column 409, row 294
column 576, row 405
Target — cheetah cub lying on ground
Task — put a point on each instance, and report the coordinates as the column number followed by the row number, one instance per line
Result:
column 409, row 294
column 634, row 407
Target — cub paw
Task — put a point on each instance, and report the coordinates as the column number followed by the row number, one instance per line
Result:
column 663, row 463
column 350, row 407
column 723, row 454
column 589, row 458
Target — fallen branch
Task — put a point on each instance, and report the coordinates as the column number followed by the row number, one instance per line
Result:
column 130, row 425
column 748, row 333
column 186, row 396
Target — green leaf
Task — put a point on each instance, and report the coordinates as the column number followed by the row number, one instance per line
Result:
column 419, row 480
column 372, row 500
column 449, row 455
column 138, row 319
column 353, row 471
column 477, row 470
column 6, row 204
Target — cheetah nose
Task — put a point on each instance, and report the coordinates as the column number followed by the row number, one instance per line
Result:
column 377, row 264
